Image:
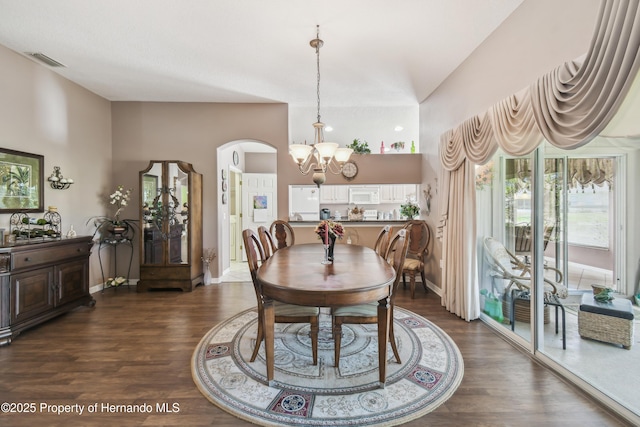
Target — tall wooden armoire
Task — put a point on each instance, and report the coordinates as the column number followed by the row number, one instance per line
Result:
column 171, row 222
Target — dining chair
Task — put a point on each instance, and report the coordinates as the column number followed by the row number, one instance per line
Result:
column 382, row 241
column 368, row 313
column 283, row 233
column 284, row 313
column 419, row 238
column 268, row 243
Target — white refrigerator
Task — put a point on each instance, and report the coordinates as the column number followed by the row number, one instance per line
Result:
column 304, row 203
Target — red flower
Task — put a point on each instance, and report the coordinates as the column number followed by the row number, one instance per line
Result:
column 335, row 229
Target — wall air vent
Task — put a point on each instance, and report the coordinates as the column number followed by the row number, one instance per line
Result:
column 41, row 57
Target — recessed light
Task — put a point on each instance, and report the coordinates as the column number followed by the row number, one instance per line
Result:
column 398, row 128
column 328, row 129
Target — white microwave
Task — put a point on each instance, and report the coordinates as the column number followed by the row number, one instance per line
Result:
column 364, row 195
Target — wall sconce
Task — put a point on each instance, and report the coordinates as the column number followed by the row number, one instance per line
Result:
column 57, row 181
column 427, row 198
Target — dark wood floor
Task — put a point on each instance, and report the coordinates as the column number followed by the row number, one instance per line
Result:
column 136, row 348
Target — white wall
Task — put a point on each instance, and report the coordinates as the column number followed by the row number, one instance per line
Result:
column 371, row 124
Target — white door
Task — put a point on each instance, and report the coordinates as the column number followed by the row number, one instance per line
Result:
column 259, row 201
column 235, row 216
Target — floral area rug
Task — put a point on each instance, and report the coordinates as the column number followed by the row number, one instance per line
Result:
column 322, row 395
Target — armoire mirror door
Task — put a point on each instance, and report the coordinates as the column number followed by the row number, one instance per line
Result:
column 177, row 214
column 152, row 249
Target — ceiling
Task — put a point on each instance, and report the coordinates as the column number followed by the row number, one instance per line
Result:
column 376, row 52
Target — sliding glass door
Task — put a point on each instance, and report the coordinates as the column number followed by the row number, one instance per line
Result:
column 558, row 220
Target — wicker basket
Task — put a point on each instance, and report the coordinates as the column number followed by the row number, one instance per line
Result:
column 603, row 328
column 522, row 311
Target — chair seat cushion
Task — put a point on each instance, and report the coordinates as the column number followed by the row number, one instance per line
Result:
column 619, row 307
column 284, row 309
column 362, row 310
column 412, row 264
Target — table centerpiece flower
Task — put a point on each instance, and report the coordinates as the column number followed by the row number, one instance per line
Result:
column 328, row 231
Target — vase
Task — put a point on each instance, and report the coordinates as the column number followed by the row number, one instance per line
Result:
column 207, row 274
column 117, row 229
column 332, row 243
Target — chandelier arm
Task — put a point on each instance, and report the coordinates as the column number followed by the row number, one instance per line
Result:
column 310, row 163
column 334, row 167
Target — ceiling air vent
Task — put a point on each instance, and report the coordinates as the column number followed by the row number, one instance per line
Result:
column 45, row 59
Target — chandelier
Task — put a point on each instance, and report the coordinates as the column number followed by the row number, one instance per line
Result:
column 321, row 156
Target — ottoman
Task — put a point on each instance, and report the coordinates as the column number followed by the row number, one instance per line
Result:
column 610, row 322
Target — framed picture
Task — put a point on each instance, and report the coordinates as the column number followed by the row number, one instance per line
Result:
column 224, row 174
column 21, row 182
column 149, row 188
column 224, row 185
column 224, row 198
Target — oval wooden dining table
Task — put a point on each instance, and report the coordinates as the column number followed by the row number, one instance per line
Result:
column 295, row 275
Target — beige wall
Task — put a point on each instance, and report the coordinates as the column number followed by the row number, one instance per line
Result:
column 42, row 113
column 535, row 39
column 260, row 163
column 193, row 132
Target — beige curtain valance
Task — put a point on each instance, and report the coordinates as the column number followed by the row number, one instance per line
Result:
column 568, row 107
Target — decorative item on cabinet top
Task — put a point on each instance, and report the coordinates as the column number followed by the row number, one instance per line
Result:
column 24, row 227
column 399, row 145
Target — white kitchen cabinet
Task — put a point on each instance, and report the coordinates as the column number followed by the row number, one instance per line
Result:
column 397, row 193
column 334, row 194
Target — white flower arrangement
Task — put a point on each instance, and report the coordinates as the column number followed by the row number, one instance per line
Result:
column 117, row 281
column 120, row 198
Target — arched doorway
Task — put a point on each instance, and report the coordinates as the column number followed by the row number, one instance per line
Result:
column 238, row 162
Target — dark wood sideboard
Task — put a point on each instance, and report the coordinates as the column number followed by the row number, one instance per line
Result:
column 41, row 280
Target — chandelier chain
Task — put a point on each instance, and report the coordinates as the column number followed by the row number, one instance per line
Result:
column 318, row 44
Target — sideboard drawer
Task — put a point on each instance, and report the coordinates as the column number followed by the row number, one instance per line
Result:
column 32, row 258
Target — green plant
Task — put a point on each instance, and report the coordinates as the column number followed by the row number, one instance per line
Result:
column 604, row 295
column 411, row 209
column 359, row 147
